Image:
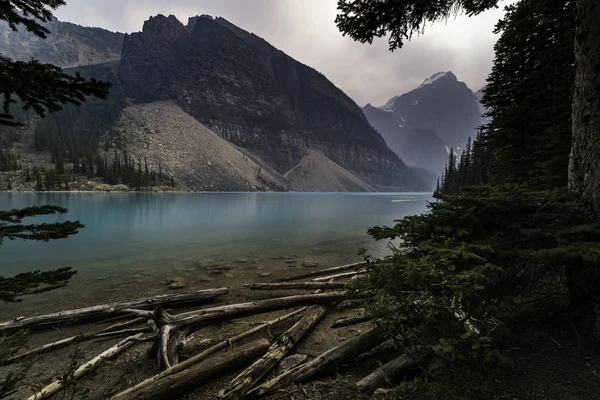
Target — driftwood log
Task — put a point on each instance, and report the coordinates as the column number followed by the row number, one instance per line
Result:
column 321, row 272
column 385, row 374
column 105, row 332
column 340, row 276
column 150, row 382
column 110, row 310
column 167, row 324
column 296, row 285
column 173, row 385
column 351, row 321
column 55, row 386
column 321, row 364
column 284, row 344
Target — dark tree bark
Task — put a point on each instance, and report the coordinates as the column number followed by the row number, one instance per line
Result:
column 584, row 167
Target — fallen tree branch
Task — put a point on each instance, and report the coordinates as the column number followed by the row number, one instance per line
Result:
column 321, row 364
column 351, row 321
column 295, row 285
column 166, row 349
column 171, row 385
column 207, row 353
column 284, row 344
column 340, row 276
column 94, row 363
column 321, row 272
column 111, row 309
column 109, row 331
column 385, row 374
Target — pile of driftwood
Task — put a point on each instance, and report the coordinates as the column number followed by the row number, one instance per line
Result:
column 185, row 362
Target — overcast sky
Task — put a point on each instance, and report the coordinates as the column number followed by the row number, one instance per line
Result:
column 305, row 30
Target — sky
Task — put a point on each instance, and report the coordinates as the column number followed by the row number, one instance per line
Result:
column 305, row 30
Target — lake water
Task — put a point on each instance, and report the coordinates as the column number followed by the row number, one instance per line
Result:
column 133, row 243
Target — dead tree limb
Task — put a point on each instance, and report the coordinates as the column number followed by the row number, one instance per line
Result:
column 351, row 321
column 241, row 384
column 321, row 272
column 94, row 363
column 105, row 332
column 171, row 385
column 110, row 310
column 385, row 374
column 340, row 276
column 295, row 285
column 321, row 364
column 166, row 349
column 209, row 352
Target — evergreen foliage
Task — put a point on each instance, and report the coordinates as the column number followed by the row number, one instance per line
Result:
column 468, row 268
column 529, row 95
column 42, row 88
column 8, row 161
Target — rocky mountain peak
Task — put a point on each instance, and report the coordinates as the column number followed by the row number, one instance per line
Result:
column 439, row 77
column 192, row 21
column 166, row 28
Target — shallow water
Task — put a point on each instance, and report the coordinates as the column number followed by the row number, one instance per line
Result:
column 133, row 243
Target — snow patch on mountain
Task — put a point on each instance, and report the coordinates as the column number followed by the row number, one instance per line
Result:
column 389, row 106
column 433, row 78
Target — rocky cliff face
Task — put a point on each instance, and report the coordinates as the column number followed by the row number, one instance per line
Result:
column 68, row 45
column 423, row 124
column 257, row 97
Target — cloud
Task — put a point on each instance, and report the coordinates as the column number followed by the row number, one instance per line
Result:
column 305, row 30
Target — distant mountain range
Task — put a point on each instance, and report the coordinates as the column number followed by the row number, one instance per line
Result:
column 68, row 45
column 274, row 112
column 422, row 125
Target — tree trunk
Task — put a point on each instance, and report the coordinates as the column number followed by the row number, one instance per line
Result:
column 173, row 385
column 584, row 164
column 189, row 363
column 322, row 364
column 110, row 310
column 385, row 374
column 584, row 167
column 286, row 342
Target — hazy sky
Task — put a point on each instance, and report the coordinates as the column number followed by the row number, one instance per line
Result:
column 305, row 30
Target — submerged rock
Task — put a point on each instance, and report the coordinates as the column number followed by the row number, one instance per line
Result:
column 265, row 274
column 310, row 264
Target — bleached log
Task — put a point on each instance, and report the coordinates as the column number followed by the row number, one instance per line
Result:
column 172, row 385
column 385, row 374
column 322, row 364
column 105, row 332
column 340, row 276
column 94, row 363
column 208, row 352
column 166, row 349
column 295, row 285
column 110, row 310
column 351, row 321
column 284, row 344
column 321, row 272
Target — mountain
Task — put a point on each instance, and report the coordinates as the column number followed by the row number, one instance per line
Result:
column 206, row 106
column 317, row 173
column 423, row 124
column 67, row 45
column 257, row 97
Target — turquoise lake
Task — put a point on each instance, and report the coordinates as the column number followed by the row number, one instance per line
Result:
column 133, row 243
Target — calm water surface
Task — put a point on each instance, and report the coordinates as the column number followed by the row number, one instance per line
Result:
column 133, row 243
